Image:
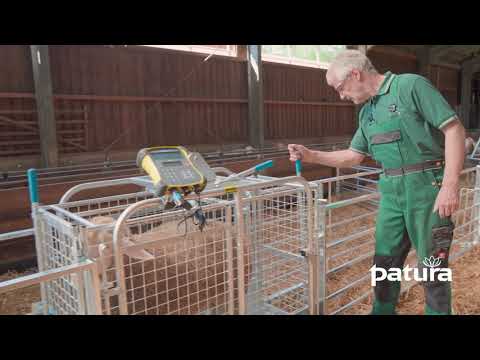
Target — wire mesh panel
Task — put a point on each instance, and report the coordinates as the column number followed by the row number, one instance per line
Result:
column 466, row 219
column 22, row 295
column 276, row 241
column 350, row 242
column 176, row 269
column 107, row 206
column 60, row 246
column 249, row 259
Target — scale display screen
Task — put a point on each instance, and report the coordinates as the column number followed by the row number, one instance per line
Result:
column 172, row 163
column 164, row 155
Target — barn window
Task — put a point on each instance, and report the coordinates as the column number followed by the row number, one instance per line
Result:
column 318, row 56
column 226, row 50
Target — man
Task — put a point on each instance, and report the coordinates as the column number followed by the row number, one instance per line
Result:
column 408, row 127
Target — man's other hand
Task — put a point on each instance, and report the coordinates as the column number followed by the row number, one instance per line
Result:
column 299, row 152
column 447, row 201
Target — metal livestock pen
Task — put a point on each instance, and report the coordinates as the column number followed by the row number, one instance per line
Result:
column 272, row 246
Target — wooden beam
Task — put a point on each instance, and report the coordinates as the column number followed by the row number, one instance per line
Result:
column 439, row 50
column 392, row 50
column 466, row 94
column 423, row 61
column 45, row 108
column 469, row 68
column 255, row 96
column 126, row 99
column 471, row 61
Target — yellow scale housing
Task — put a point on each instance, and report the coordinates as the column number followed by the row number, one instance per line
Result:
column 170, row 168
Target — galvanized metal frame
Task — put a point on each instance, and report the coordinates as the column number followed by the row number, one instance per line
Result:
column 317, row 253
column 239, row 199
column 87, row 268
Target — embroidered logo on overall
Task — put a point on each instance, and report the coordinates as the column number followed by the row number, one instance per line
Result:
column 394, row 109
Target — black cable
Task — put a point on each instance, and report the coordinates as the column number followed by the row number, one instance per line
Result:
column 195, row 222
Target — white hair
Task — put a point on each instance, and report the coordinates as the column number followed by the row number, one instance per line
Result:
column 348, row 60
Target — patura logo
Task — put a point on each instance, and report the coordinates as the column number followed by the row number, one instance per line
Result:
column 430, row 272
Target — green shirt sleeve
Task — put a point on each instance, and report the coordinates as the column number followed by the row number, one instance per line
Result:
column 431, row 104
column 359, row 142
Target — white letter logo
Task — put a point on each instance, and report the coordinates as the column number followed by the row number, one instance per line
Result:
column 374, row 270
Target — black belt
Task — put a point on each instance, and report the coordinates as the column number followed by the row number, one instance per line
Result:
column 427, row 165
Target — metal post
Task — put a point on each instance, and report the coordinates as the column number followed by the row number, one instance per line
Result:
column 476, row 207
column 254, row 295
column 337, row 174
column 87, row 281
column 230, row 267
column 33, row 186
column 34, row 200
column 239, row 215
column 466, row 93
column 320, row 228
column 303, row 207
column 97, row 300
column 423, row 61
column 255, row 96
column 45, row 107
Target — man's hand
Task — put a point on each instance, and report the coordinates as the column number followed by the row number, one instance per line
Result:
column 299, row 152
column 447, row 201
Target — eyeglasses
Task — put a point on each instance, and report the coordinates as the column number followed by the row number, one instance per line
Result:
column 340, row 86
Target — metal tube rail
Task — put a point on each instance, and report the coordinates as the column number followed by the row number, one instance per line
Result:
column 344, row 177
column 350, row 285
column 16, row 234
column 349, row 238
column 29, row 280
column 71, row 215
column 113, row 182
column 95, row 185
column 106, row 199
column 356, row 200
column 353, row 302
column 351, row 262
column 348, row 221
column 213, row 157
column 340, row 253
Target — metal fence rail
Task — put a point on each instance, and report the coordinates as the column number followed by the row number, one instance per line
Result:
column 76, row 302
column 466, row 236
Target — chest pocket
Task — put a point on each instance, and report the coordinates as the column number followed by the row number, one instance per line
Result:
column 385, row 148
column 420, row 140
column 420, row 137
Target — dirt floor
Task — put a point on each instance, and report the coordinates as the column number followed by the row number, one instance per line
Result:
column 465, row 290
column 18, row 302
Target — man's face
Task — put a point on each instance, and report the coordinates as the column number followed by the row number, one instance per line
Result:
column 351, row 88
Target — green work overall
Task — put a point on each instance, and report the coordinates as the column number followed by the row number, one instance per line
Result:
column 401, row 128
